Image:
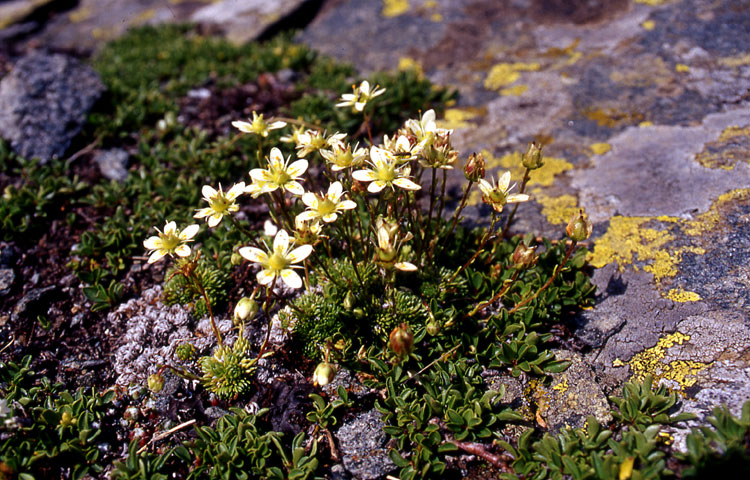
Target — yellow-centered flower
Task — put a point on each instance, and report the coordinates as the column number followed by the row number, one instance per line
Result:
column 258, row 126
column 219, row 203
column 384, row 172
column 170, row 242
column 279, row 261
column 498, row 196
column 279, row 174
column 314, row 140
column 342, row 156
column 360, row 96
column 325, row 207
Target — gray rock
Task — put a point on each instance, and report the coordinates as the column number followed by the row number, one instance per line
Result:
column 245, row 20
column 362, row 441
column 113, row 163
column 7, row 276
column 33, row 300
column 43, row 103
column 572, row 396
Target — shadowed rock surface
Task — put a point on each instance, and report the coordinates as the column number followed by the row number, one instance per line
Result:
column 43, row 103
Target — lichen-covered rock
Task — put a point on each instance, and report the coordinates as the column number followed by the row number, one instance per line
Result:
column 44, row 102
column 572, row 396
column 113, row 164
column 152, row 333
column 362, row 442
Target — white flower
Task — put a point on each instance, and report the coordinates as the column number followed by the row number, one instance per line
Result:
column 279, row 174
column 384, row 172
column 325, row 207
column 314, row 140
column 498, row 196
column 170, row 242
column 424, row 128
column 278, row 262
column 389, row 246
column 342, row 156
column 219, row 203
column 258, row 126
column 360, row 96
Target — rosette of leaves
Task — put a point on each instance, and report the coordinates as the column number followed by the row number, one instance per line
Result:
column 229, row 371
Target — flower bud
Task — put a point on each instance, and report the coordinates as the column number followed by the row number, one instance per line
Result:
column 66, row 419
column 245, row 308
column 401, row 340
column 579, row 228
column 235, row 259
column 532, row 159
column 358, row 313
column 324, row 374
column 349, row 301
column 432, row 327
column 524, row 257
column 474, row 168
column 155, row 382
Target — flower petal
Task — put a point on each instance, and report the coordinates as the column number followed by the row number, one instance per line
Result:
column 236, row 190
column 294, row 188
column 208, row 192
column 376, row 186
column 276, row 156
column 517, row 197
column 214, row 219
column 170, row 228
column 297, row 168
column 243, row 126
column 335, row 190
column 291, row 278
column 364, row 175
column 152, row 243
column 259, row 175
column 254, row 254
column 346, row 205
column 306, row 216
column 156, row 256
column 265, row 277
column 189, row 232
column 182, row 250
column 406, row 266
column 503, row 181
column 406, row 184
column 299, row 253
column 310, row 199
column 281, row 241
column 202, row 212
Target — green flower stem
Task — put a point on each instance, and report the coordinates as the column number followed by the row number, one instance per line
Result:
column 525, row 180
column 507, row 285
column 349, row 247
column 486, row 237
column 244, row 231
column 203, row 292
column 439, row 218
column 367, row 126
column 281, row 202
column 551, row 279
column 457, row 213
column 267, row 311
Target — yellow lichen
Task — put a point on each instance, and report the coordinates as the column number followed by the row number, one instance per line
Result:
column 646, row 70
column 514, row 91
column 682, row 68
column 458, row 117
column 628, row 242
column 80, row 14
column 708, row 221
column 600, row 148
column 504, row 74
column 407, row 63
column 611, row 117
column 569, row 51
column 648, row 25
column 646, row 124
column 677, row 374
column 143, row 17
column 682, row 296
column 736, row 61
column 557, row 210
column 394, row 8
column 562, row 385
column 732, row 145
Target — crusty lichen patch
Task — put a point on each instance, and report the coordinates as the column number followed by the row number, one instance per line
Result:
column 394, row 8
column 733, row 145
column 600, row 148
column 557, row 210
column 504, row 74
column 709, row 221
column 459, row 117
column 677, row 375
column 682, row 296
column 628, row 241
